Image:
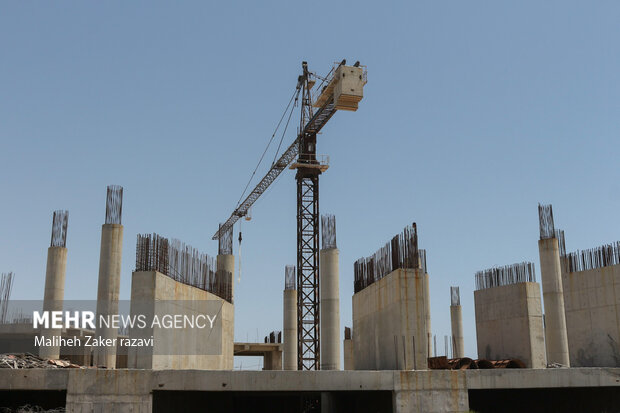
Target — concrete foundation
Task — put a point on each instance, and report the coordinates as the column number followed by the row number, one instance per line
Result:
column 389, row 323
column 108, row 290
column 174, row 348
column 592, row 302
column 458, row 342
column 556, row 338
column 509, row 323
column 54, row 294
column 330, row 309
column 145, row 391
column 290, row 330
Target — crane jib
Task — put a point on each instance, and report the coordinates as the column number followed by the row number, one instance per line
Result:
column 314, row 125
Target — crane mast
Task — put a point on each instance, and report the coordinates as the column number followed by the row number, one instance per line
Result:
column 342, row 90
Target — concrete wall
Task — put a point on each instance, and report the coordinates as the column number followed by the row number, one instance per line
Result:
column 152, row 286
column 509, row 323
column 387, row 316
column 592, row 304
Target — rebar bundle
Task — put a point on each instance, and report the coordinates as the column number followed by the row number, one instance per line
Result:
column 599, row 257
column 225, row 242
column 114, row 205
column 510, row 274
column 545, row 217
column 328, row 231
column 422, row 260
column 182, row 263
column 455, row 296
column 400, row 252
column 59, row 229
column 6, row 283
column 559, row 235
column 289, row 277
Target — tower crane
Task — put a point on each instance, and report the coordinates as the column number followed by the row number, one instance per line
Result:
column 341, row 89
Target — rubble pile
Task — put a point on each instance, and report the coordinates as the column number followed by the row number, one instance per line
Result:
column 30, row 361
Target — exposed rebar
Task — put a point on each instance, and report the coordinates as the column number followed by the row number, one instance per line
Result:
column 347, row 333
column 422, row 260
column 455, row 296
column 559, row 235
column 328, row 231
column 114, row 205
column 593, row 258
column 400, row 252
column 510, row 274
column 59, row 228
column 6, row 283
column 289, row 277
column 545, row 218
column 182, row 263
column 225, row 242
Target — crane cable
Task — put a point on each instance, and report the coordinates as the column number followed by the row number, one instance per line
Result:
column 293, row 98
column 240, row 238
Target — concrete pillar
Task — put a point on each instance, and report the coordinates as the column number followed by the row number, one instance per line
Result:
column 54, row 295
column 458, row 344
column 556, row 338
column 330, row 309
column 427, row 291
column 347, row 346
column 108, row 291
column 272, row 360
column 290, row 330
column 421, row 330
column 226, row 263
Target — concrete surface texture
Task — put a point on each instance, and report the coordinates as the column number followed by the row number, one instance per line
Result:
column 330, row 309
column 108, row 290
column 226, row 263
column 427, row 301
column 174, row 348
column 592, row 302
column 412, row 391
column 347, row 349
column 509, row 323
column 290, row 330
column 456, row 321
column 54, row 294
column 389, row 323
column 271, row 353
column 556, row 338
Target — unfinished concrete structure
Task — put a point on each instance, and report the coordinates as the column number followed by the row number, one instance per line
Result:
column 556, row 338
column 592, row 300
column 173, row 278
column 330, row 296
column 109, row 275
column 509, row 320
column 347, row 349
column 225, row 260
column 290, row 320
column 456, row 322
column 389, row 309
column 54, row 292
column 427, row 298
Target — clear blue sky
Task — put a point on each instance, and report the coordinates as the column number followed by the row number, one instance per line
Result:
column 474, row 112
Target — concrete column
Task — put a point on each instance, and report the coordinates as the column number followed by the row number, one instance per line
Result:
column 226, row 263
column 330, row 309
column 427, row 290
column 422, row 314
column 54, row 295
column 347, row 346
column 556, row 337
column 290, row 330
column 108, row 291
column 458, row 344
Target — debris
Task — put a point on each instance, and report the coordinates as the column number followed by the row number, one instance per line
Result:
column 30, row 361
column 32, row 409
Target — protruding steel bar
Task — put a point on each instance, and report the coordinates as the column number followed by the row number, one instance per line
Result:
column 6, row 283
column 593, row 258
column 225, row 242
column 290, row 276
column 114, row 205
column 545, row 217
column 455, row 296
column 510, row 274
column 328, row 231
column 59, row 229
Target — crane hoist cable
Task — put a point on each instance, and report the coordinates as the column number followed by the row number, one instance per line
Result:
column 240, row 238
column 293, row 98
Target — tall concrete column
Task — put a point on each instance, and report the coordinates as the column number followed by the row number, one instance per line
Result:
column 225, row 265
column 330, row 309
column 456, row 319
column 347, row 349
column 556, row 337
column 290, row 321
column 108, row 289
column 55, row 272
column 427, row 292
